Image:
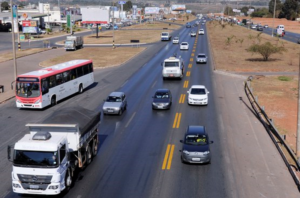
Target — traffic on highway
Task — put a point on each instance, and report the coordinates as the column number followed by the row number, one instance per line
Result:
column 163, row 124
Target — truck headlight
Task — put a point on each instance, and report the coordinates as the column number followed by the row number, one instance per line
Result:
column 54, row 187
column 16, row 185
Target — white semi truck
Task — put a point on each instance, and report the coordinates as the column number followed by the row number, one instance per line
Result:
column 45, row 160
column 73, row 43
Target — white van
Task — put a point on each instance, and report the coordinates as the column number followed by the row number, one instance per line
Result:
column 280, row 27
column 173, row 68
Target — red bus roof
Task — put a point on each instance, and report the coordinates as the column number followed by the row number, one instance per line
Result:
column 56, row 69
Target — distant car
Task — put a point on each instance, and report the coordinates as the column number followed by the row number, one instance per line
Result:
column 253, row 26
column 201, row 32
column 162, row 99
column 107, row 26
column 201, row 58
column 298, row 41
column 116, row 103
column 198, row 95
column 266, row 26
column 195, row 145
column 116, row 27
column 176, row 40
column 259, row 28
column 193, row 33
column 188, row 25
column 184, row 46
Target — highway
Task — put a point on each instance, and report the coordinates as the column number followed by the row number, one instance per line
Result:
column 139, row 151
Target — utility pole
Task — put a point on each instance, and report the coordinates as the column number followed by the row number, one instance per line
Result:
column 298, row 116
column 113, row 25
column 273, row 18
column 13, row 39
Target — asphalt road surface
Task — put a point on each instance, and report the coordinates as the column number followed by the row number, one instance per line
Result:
column 133, row 146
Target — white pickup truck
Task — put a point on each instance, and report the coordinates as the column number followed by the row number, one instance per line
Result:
column 44, row 161
column 165, row 36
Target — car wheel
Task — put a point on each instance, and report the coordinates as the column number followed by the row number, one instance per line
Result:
column 120, row 112
column 182, row 161
column 125, row 108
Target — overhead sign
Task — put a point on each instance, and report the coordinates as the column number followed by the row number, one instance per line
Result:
column 151, row 10
column 121, row 2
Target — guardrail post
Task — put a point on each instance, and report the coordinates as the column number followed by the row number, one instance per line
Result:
column 263, row 108
column 256, row 98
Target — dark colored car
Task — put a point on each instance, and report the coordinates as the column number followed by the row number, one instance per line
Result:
column 188, row 25
column 195, row 148
column 162, row 99
column 259, row 28
column 298, row 41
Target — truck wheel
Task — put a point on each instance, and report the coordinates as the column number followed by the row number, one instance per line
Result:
column 88, row 155
column 68, row 180
column 95, row 146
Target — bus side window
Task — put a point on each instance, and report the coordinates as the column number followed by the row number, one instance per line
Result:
column 59, row 79
column 91, row 67
column 52, row 81
column 85, row 69
column 66, row 76
column 79, row 71
column 45, row 87
column 72, row 74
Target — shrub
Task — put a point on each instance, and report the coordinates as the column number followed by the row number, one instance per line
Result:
column 266, row 49
column 284, row 78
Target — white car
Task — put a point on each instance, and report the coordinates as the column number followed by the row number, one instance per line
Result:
column 201, row 58
column 201, row 32
column 253, row 26
column 193, row 34
column 197, row 95
column 184, row 46
column 176, row 40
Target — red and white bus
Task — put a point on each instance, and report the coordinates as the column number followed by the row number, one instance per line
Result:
column 41, row 88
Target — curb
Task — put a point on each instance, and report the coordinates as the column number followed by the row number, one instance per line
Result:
column 231, row 74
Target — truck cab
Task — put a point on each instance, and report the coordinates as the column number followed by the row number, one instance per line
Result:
column 165, row 36
column 173, row 67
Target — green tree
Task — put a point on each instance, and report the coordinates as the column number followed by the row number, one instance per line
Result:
column 228, row 11
column 278, row 7
column 127, row 6
column 260, row 12
column 244, row 10
column 5, row 6
column 266, row 49
column 290, row 10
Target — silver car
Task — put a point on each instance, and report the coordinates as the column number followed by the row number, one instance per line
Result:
column 115, row 103
column 201, row 58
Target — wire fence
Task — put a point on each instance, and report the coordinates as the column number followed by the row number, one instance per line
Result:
column 285, row 151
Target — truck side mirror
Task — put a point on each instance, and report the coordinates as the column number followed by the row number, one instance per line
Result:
column 10, row 151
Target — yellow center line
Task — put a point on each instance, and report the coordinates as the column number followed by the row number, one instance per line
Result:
column 188, row 73
column 193, row 54
column 166, row 157
column 194, row 50
column 180, row 98
column 183, row 98
column 190, row 65
column 191, row 59
column 186, row 83
column 171, row 157
column 178, row 121
column 175, row 120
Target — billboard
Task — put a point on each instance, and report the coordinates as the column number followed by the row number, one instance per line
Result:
column 29, row 26
column 178, row 7
column 236, row 10
column 151, row 10
column 30, row 29
column 95, row 15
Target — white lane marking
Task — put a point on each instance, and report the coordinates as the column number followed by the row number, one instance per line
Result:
column 221, row 123
column 153, row 84
column 4, row 194
column 124, row 83
column 130, row 120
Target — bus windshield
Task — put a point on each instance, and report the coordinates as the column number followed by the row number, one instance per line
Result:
column 28, row 89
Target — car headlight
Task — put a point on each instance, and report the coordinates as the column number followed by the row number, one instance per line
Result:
column 117, row 108
column 190, row 98
column 38, row 101
column 185, row 152
column 153, row 103
column 206, row 152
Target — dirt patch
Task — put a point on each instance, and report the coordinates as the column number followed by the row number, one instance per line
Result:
column 55, row 34
column 24, row 52
column 232, row 55
column 102, row 57
column 280, row 101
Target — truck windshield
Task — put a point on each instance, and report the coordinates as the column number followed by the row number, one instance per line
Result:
column 164, row 34
column 69, row 42
column 171, row 64
column 36, row 158
column 28, row 89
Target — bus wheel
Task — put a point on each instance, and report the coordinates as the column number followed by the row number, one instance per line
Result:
column 53, row 101
column 80, row 89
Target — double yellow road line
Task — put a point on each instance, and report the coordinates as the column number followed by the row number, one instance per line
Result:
column 168, row 157
column 177, row 120
column 182, row 98
column 186, row 84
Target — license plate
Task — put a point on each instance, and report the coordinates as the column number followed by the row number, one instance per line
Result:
column 160, row 107
column 110, row 111
column 171, row 75
column 196, row 159
column 34, row 186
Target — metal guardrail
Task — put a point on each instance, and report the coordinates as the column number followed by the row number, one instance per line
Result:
column 293, row 164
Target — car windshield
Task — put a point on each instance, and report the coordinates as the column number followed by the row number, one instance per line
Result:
column 113, row 99
column 36, row 158
column 201, row 56
column 197, row 139
column 161, row 95
column 201, row 30
column 183, row 43
column 198, row 91
column 176, row 38
column 28, row 89
column 171, row 64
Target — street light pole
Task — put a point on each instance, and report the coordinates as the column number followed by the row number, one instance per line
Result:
column 13, row 40
column 273, row 17
column 113, row 25
column 298, row 116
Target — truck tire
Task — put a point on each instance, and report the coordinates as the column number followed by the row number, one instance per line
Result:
column 68, row 180
column 88, row 155
column 95, row 146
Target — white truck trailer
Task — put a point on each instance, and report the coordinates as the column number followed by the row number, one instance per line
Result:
column 45, row 160
column 73, row 43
